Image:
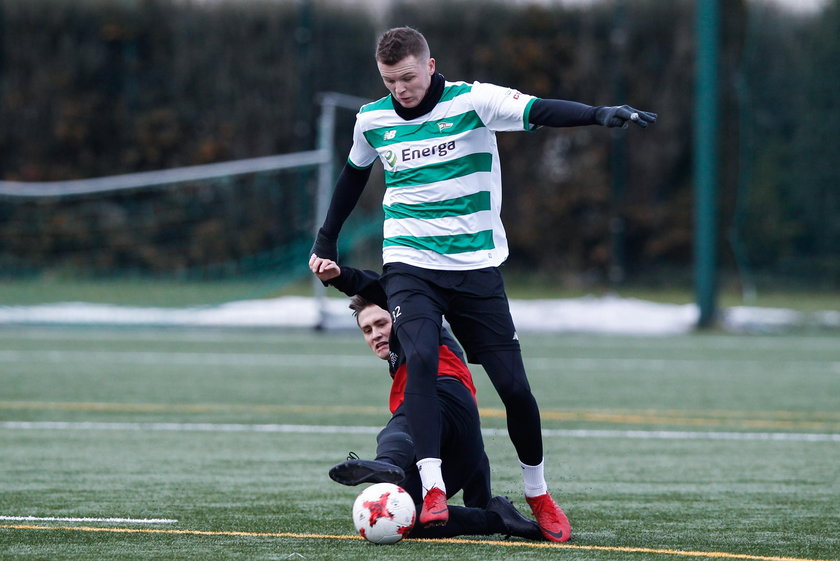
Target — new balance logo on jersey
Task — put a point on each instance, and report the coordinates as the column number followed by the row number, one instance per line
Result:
column 441, row 149
column 390, row 135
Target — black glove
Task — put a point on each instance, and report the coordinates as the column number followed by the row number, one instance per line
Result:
column 622, row 116
column 325, row 247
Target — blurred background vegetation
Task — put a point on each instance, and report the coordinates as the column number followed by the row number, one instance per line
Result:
column 94, row 87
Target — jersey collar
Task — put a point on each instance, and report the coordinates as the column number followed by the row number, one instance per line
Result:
column 427, row 104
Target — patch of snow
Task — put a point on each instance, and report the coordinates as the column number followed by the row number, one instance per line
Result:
column 607, row 314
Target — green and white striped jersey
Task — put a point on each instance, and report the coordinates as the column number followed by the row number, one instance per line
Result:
column 443, row 183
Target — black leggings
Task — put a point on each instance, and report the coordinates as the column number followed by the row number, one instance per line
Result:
column 419, row 339
column 463, row 521
column 506, row 371
column 476, row 306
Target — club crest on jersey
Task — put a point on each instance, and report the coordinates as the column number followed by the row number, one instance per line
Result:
column 390, row 158
column 444, row 126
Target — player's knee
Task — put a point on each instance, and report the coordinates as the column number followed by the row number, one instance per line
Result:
column 418, row 334
column 420, row 340
column 396, row 448
column 426, row 359
column 516, row 396
column 397, row 439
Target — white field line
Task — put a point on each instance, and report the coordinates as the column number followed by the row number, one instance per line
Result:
column 105, row 520
column 533, row 341
column 364, row 361
column 334, row 429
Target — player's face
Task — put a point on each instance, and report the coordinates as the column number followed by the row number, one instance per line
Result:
column 375, row 324
column 408, row 80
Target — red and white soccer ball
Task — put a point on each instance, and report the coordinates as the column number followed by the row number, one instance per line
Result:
column 384, row 513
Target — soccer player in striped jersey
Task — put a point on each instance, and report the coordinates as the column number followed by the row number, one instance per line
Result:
column 444, row 240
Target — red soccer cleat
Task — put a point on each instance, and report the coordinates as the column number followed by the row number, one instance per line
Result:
column 552, row 520
column 434, row 511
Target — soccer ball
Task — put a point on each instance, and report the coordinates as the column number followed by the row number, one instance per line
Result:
column 384, row 513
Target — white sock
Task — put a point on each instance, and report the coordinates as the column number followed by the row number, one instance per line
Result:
column 534, row 478
column 430, row 474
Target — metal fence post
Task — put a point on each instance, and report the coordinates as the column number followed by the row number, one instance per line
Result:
column 706, row 161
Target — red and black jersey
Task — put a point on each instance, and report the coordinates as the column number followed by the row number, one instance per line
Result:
column 451, row 364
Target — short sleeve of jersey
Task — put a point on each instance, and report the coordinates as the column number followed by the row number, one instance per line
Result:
column 501, row 108
column 362, row 154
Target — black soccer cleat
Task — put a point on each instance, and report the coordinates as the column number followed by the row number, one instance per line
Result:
column 515, row 523
column 355, row 471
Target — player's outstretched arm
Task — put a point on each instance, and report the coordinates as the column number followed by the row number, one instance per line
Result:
column 563, row 113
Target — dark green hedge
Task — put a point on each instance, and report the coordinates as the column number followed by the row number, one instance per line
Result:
column 92, row 88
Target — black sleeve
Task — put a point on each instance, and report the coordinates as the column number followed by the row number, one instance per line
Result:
column 561, row 113
column 364, row 283
column 348, row 188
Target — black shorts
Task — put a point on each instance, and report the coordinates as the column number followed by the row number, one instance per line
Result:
column 473, row 302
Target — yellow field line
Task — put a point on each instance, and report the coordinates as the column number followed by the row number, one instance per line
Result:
column 648, row 419
column 115, row 407
column 806, row 420
column 618, row 549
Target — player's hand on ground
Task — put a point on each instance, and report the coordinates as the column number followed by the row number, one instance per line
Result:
column 622, row 116
column 324, row 269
